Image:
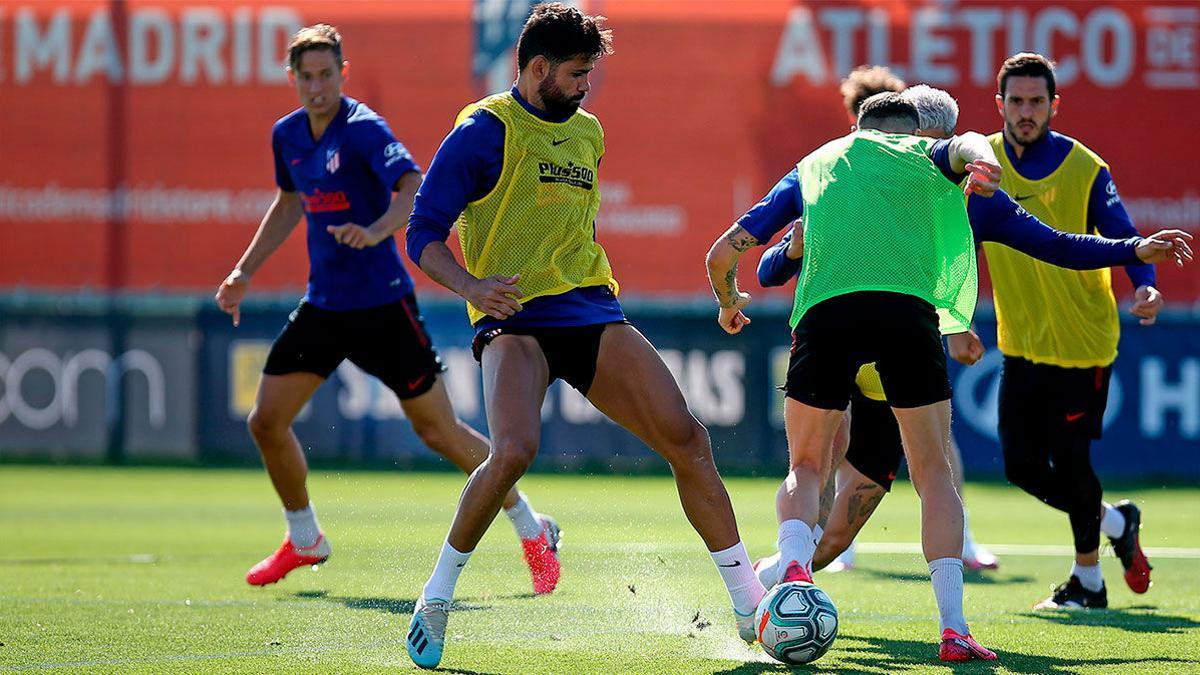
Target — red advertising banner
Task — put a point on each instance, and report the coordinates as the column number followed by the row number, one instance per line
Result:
column 135, row 135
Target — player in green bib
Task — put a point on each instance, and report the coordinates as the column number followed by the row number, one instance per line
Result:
column 889, row 266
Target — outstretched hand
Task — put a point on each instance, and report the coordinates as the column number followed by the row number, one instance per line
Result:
column 1166, row 245
column 983, row 178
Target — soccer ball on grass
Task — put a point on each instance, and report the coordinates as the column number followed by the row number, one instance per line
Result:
column 796, row 622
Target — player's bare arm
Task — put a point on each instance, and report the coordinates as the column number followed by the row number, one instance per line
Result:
column 281, row 218
column 970, row 152
column 359, row 237
column 722, row 263
column 497, row 295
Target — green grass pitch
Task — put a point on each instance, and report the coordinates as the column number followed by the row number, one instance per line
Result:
column 140, row 570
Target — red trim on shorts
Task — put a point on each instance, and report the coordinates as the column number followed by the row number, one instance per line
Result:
column 415, row 324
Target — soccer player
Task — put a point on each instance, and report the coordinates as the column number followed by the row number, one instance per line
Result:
column 338, row 164
column 1058, row 331
column 875, row 451
column 518, row 175
column 862, row 83
column 875, row 187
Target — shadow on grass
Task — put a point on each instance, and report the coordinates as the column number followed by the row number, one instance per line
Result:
column 763, row 667
column 886, row 655
column 982, row 578
column 1136, row 619
column 388, row 605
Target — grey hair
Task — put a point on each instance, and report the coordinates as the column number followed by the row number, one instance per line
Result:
column 936, row 107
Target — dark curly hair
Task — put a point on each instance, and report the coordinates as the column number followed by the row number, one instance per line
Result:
column 864, row 82
column 560, row 33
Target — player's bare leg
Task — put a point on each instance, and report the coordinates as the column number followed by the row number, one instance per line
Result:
column 810, row 435
column 280, row 399
column 857, row 498
column 435, row 422
column 768, row 569
column 515, row 377
column 636, row 390
column 925, row 434
column 975, row 555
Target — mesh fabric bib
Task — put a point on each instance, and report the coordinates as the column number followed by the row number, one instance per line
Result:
column 879, row 216
column 1048, row 314
column 539, row 220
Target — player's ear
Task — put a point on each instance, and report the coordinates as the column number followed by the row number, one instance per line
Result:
column 1000, row 104
column 1054, row 105
column 291, row 76
column 539, row 66
column 345, row 70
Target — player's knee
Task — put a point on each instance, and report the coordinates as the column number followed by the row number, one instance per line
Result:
column 265, row 425
column 687, row 443
column 433, row 435
column 511, row 458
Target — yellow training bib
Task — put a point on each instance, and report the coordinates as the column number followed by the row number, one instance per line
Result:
column 539, row 220
column 1044, row 313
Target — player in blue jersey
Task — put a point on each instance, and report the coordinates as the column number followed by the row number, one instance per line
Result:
column 874, row 450
column 519, row 167
column 338, row 165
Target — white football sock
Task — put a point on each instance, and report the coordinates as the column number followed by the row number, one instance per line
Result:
column 947, row 577
column 1089, row 576
column 744, row 588
column 768, row 570
column 796, row 542
column 445, row 574
column 303, row 529
column 524, row 520
column 1113, row 522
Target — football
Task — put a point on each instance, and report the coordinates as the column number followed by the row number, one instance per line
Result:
column 796, row 622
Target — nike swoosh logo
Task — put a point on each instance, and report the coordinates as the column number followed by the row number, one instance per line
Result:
column 557, row 143
column 295, row 162
column 736, row 563
column 412, row 386
column 1021, row 198
column 461, row 565
column 1075, row 416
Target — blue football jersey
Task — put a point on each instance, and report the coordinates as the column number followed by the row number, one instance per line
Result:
column 345, row 177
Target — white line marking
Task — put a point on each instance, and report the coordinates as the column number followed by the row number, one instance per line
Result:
column 1032, row 550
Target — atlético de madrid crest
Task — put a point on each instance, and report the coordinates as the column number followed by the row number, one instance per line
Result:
column 332, row 160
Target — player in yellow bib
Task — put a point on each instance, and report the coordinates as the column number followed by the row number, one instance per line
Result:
column 1058, row 331
column 518, row 174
